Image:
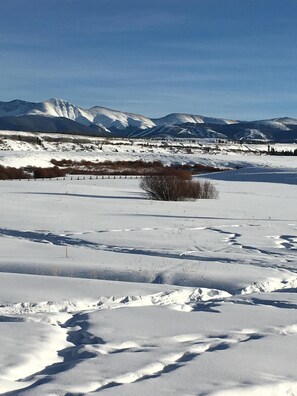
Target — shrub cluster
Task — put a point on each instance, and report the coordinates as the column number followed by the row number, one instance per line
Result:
column 7, row 173
column 177, row 188
column 283, row 152
column 43, row 173
column 63, row 162
column 138, row 164
column 199, row 168
column 136, row 168
column 122, row 168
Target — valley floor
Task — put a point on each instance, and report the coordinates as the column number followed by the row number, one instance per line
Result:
column 105, row 292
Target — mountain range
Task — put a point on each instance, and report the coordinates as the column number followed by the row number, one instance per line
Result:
column 57, row 115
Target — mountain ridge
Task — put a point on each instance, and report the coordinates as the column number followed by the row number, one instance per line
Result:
column 58, row 115
column 109, row 117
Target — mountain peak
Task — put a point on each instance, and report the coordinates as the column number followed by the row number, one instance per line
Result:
column 58, row 102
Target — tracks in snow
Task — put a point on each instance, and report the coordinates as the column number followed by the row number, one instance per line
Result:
column 188, row 348
column 73, row 318
column 183, row 349
column 287, row 242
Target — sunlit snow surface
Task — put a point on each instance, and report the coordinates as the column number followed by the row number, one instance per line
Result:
column 105, row 292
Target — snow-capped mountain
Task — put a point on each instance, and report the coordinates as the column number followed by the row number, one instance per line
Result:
column 252, row 131
column 49, row 108
column 181, row 118
column 60, row 108
column 188, row 130
column 102, row 116
column 57, row 115
column 119, row 120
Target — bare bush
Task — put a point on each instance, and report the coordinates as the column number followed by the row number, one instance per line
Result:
column 42, row 173
column 175, row 188
column 63, row 162
column 208, row 190
column 136, row 168
column 198, row 168
column 7, row 173
column 121, row 168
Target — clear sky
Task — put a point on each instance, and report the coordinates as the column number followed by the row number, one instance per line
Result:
column 229, row 58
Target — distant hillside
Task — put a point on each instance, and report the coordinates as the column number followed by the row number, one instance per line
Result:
column 254, row 131
column 49, row 124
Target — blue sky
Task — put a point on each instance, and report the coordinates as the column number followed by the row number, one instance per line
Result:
column 225, row 58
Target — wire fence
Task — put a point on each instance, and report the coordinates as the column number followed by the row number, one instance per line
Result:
column 69, row 178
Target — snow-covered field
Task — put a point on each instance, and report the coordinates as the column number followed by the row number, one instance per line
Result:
column 105, row 292
column 19, row 149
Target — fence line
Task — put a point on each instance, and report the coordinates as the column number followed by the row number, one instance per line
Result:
column 69, row 178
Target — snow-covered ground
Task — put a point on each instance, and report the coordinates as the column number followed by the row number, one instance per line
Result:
column 105, row 292
column 20, row 149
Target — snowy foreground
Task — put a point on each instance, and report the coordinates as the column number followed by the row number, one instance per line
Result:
column 104, row 292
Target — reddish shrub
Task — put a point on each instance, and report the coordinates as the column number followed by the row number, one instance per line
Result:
column 42, row 173
column 7, row 173
column 136, row 168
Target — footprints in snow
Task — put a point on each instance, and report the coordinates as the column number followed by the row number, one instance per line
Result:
column 183, row 347
column 288, row 242
column 285, row 242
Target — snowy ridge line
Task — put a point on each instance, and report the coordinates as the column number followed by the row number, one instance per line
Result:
column 101, row 116
column 181, row 299
column 271, row 285
column 139, row 229
column 68, row 233
column 102, row 121
column 184, row 299
column 285, row 241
